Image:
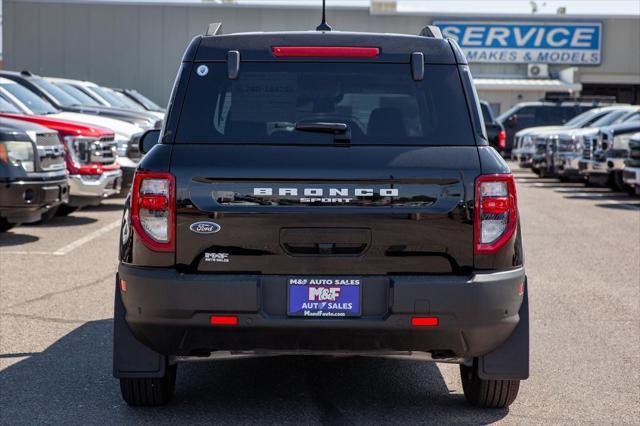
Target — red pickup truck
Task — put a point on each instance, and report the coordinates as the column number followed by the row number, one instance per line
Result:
column 90, row 154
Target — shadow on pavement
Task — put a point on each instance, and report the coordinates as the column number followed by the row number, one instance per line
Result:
column 9, row 239
column 104, row 208
column 621, row 206
column 616, row 196
column 60, row 221
column 70, row 382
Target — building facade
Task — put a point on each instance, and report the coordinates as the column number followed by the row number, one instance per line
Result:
column 139, row 45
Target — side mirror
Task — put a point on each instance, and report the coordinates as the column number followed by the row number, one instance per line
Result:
column 512, row 120
column 148, row 140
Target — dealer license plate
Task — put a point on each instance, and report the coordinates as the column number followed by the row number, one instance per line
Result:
column 315, row 297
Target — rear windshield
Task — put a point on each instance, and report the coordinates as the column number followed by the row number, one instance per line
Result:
column 380, row 104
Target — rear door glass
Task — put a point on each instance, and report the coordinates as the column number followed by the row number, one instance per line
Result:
column 380, row 103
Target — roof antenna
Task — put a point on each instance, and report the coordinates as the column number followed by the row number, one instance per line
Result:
column 323, row 25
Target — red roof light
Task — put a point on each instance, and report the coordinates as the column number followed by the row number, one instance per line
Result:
column 325, row 51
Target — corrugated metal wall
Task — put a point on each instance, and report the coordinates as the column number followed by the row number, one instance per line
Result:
column 139, row 45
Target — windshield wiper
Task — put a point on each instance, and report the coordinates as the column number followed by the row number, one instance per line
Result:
column 341, row 131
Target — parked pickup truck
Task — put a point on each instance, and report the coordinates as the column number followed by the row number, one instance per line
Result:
column 565, row 149
column 549, row 112
column 631, row 171
column 609, row 154
column 126, row 135
column 90, row 157
column 322, row 193
column 33, row 176
column 531, row 142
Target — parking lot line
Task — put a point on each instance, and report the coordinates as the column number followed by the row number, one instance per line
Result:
column 81, row 241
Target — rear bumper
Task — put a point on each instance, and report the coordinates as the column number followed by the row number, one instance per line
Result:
column 169, row 312
column 26, row 201
column 92, row 186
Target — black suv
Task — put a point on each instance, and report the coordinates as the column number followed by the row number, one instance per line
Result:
column 33, row 173
column 543, row 113
column 322, row 193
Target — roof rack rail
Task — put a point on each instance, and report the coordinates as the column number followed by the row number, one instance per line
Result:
column 214, row 28
column 564, row 97
column 432, row 31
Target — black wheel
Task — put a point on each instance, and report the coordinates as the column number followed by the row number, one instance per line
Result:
column 5, row 226
column 150, row 392
column 565, row 179
column 48, row 215
column 487, row 393
column 65, row 210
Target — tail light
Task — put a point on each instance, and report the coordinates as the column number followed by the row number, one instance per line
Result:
column 502, row 139
column 153, row 209
column 496, row 212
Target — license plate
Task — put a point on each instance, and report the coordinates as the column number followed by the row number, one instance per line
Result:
column 315, row 297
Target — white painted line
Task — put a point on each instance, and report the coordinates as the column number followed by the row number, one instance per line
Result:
column 84, row 240
column 26, row 252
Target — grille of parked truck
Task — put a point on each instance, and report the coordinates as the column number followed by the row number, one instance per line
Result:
column 90, row 157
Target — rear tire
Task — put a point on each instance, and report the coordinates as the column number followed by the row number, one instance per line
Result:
column 149, row 392
column 487, row 393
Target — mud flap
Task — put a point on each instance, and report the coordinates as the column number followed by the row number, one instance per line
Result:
column 132, row 359
column 511, row 360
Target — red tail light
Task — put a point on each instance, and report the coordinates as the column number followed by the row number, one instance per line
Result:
column 325, row 51
column 153, row 201
column 502, row 139
column 223, row 320
column 496, row 212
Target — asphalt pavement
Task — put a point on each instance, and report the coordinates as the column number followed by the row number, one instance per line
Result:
column 582, row 248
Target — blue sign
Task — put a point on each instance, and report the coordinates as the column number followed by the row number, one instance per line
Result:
column 527, row 42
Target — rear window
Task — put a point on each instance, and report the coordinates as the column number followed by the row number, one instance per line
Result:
column 380, row 103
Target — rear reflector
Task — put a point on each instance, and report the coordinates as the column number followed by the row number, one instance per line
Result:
column 325, row 51
column 223, row 320
column 424, row 321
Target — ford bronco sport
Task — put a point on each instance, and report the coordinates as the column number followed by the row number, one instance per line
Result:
column 326, row 193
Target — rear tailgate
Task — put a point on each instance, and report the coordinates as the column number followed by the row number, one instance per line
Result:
column 325, row 209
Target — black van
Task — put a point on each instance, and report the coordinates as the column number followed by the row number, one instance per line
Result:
column 322, row 193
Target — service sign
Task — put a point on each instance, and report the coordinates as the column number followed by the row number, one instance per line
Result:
column 577, row 43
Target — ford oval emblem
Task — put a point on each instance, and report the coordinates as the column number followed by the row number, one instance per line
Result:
column 204, row 227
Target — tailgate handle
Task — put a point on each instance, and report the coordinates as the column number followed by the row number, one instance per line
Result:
column 325, row 241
